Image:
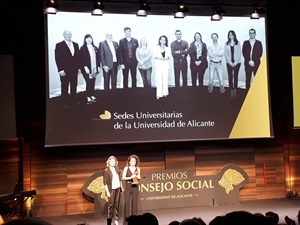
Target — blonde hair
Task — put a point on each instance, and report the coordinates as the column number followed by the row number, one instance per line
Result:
column 108, row 160
column 143, row 39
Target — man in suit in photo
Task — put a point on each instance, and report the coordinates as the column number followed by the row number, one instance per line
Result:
column 179, row 49
column 252, row 51
column 67, row 61
column 128, row 61
column 109, row 57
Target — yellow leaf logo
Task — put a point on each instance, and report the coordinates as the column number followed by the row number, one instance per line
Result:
column 105, row 116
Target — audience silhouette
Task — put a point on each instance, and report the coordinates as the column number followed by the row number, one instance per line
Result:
column 189, row 222
column 231, row 218
column 144, row 219
column 174, row 222
column 26, row 221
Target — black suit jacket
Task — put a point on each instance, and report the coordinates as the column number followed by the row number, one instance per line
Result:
column 256, row 53
column 107, row 177
column 193, row 55
column 64, row 59
column 106, row 55
column 85, row 58
column 124, row 54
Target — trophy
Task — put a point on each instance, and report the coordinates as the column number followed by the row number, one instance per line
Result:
column 135, row 179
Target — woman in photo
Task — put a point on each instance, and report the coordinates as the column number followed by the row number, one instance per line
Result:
column 233, row 53
column 198, row 63
column 162, row 55
column 90, row 66
column 144, row 58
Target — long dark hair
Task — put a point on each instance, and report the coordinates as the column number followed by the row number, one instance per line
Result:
column 195, row 36
column 161, row 38
column 137, row 159
column 234, row 38
column 87, row 36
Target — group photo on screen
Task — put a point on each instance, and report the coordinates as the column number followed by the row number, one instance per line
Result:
column 122, row 75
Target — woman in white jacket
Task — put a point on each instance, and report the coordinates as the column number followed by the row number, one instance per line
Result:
column 162, row 56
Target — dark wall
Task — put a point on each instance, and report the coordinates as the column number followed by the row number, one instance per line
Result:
column 22, row 35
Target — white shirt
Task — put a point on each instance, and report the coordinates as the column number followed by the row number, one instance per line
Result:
column 115, row 180
column 93, row 58
column 113, row 51
column 71, row 47
column 252, row 42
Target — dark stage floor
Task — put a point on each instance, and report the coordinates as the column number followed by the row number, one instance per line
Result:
column 283, row 207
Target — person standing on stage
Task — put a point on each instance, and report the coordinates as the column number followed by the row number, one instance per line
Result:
column 128, row 62
column 131, row 175
column 179, row 49
column 113, row 188
column 252, row 51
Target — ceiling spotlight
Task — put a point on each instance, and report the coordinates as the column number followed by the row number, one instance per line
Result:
column 258, row 11
column 144, row 8
column 218, row 14
column 51, row 7
column 98, row 8
column 181, row 11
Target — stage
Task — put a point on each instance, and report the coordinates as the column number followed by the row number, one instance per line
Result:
column 283, row 207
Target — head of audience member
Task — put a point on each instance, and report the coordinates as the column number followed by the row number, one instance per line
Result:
column 240, row 217
column 174, row 222
column 260, row 219
column 26, row 221
column 134, row 220
column 149, row 219
column 189, row 222
column 272, row 218
column 218, row 220
column 200, row 220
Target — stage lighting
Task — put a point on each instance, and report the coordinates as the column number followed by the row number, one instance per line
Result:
column 258, row 11
column 181, row 11
column 51, row 7
column 144, row 8
column 218, row 14
column 98, row 8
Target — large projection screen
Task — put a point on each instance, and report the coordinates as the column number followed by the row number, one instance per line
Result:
column 135, row 115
